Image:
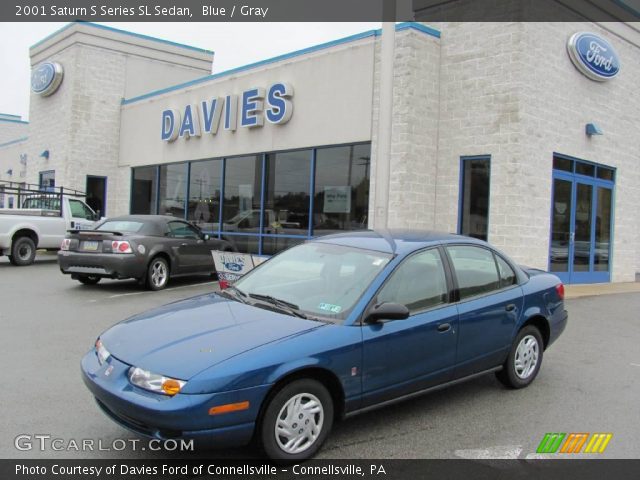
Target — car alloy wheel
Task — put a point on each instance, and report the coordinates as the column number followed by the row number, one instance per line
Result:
column 526, row 358
column 158, row 274
column 299, row 423
column 296, row 420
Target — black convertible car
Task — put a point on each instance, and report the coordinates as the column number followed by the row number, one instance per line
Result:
column 150, row 248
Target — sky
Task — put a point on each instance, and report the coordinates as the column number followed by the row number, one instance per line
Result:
column 234, row 44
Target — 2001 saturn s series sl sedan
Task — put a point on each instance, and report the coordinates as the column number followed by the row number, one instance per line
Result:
column 336, row 326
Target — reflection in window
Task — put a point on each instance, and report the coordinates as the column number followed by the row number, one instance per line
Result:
column 243, row 243
column 172, row 184
column 242, row 190
column 475, row 270
column 143, row 190
column 418, row 283
column 603, row 231
column 273, row 245
column 474, row 209
column 341, row 199
column 286, row 199
column 205, row 185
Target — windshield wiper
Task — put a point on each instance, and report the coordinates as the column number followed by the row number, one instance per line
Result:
column 239, row 294
column 292, row 308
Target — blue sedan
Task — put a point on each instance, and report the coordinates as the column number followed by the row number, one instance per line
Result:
column 336, row 326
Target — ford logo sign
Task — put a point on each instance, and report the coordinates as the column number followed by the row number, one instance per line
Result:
column 593, row 56
column 46, row 78
column 234, row 267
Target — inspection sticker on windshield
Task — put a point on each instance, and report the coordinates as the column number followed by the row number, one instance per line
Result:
column 328, row 307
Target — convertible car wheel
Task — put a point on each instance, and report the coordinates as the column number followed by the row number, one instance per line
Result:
column 157, row 274
column 524, row 360
column 296, row 421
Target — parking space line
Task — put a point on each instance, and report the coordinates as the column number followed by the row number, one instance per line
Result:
column 636, row 364
column 118, row 295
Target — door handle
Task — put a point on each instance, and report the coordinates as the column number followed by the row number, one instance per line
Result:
column 511, row 307
column 443, row 327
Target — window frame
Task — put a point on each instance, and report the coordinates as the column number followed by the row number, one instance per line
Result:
column 454, row 277
column 448, row 280
column 463, row 160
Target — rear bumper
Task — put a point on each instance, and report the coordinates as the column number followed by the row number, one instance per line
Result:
column 557, row 325
column 105, row 265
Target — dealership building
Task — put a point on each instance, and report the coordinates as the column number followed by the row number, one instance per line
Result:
column 523, row 134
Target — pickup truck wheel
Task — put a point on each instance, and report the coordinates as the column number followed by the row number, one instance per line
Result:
column 88, row 279
column 23, row 251
column 157, row 274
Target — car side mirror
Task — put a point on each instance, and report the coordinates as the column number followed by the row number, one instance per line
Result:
column 386, row 311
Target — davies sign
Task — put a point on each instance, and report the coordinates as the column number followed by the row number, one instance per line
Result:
column 593, row 56
column 249, row 109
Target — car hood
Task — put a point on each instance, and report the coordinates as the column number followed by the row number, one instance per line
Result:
column 183, row 338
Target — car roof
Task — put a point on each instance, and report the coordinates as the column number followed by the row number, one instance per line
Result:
column 395, row 240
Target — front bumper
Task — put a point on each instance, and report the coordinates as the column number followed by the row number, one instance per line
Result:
column 105, row 265
column 160, row 416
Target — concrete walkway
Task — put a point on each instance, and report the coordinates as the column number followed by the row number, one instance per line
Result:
column 577, row 291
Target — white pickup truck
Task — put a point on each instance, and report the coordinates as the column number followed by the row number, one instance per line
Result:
column 40, row 223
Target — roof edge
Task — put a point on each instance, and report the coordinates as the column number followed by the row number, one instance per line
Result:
column 296, row 53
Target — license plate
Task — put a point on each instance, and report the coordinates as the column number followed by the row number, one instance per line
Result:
column 90, row 246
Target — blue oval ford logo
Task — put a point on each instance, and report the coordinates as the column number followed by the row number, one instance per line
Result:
column 593, row 56
column 46, row 78
column 234, row 267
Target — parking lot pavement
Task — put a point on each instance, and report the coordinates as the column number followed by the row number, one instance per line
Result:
column 589, row 382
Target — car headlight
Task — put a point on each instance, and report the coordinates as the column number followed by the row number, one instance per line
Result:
column 102, row 352
column 154, row 382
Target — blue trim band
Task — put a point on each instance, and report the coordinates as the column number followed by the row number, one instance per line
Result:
column 23, row 122
column 17, row 140
column 16, row 117
column 323, row 46
column 125, row 32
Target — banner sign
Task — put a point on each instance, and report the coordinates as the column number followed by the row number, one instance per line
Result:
column 231, row 266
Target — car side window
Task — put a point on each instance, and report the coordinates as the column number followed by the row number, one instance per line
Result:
column 182, row 230
column 507, row 275
column 475, row 270
column 418, row 283
column 80, row 210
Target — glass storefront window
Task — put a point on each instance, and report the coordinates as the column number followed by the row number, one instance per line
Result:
column 286, row 198
column 341, row 199
column 257, row 221
column 143, row 190
column 242, row 194
column 205, row 186
column 172, row 185
column 474, row 208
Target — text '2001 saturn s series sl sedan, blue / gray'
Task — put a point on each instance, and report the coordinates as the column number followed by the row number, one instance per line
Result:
column 336, row 326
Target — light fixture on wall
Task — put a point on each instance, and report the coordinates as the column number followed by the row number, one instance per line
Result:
column 593, row 129
column 45, row 154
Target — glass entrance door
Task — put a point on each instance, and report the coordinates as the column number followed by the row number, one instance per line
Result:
column 581, row 211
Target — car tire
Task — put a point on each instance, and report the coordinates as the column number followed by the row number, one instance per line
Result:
column 89, row 279
column 311, row 402
column 524, row 360
column 23, row 251
column 157, row 274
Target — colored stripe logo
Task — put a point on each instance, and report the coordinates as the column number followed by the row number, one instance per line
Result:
column 574, row 443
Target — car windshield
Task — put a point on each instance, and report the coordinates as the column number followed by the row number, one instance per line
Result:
column 120, row 226
column 321, row 279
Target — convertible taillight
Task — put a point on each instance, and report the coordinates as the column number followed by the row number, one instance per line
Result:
column 121, row 246
column 560, row 290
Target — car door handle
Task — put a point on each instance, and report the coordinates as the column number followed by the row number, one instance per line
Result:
column 444, row 327
column 511, row 307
